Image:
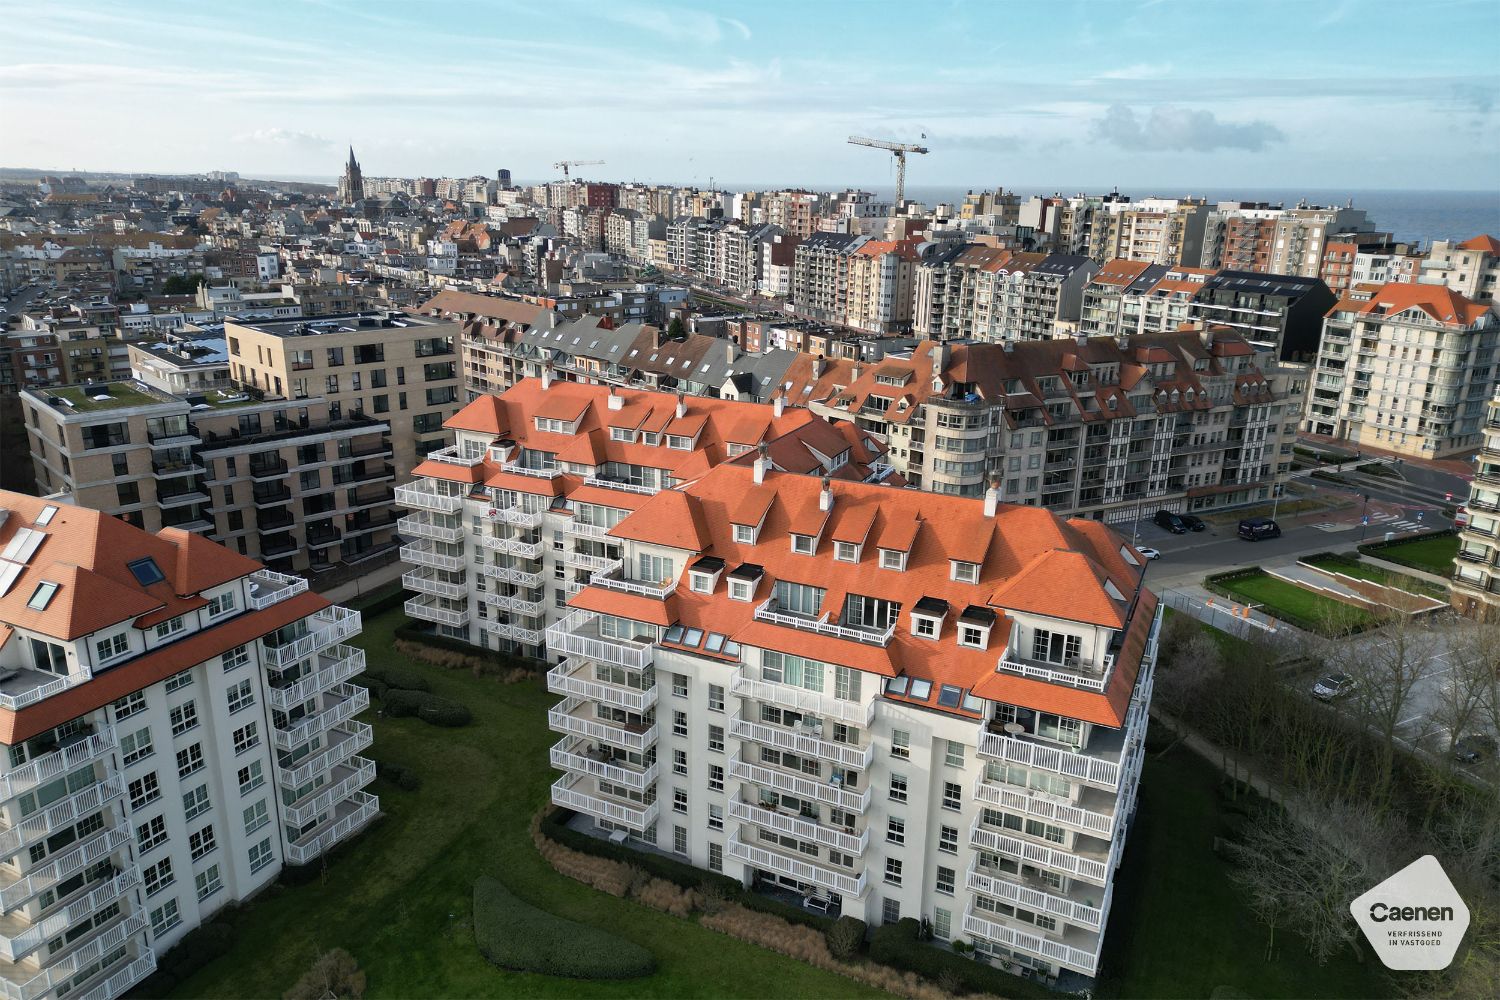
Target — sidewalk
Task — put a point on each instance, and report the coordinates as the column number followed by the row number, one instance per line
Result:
column 1451, row 466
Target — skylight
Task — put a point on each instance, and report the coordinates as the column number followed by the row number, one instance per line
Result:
column 42, row 596
column 45, row 517
column 145, row 571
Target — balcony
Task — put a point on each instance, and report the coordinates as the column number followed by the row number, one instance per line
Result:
column 808, row 702
column 579, row 793
column 582, row 530
column 1099, row 820
column 425, row 497
column 1078, row 959
column 768, row 612
column 848, row 840
column 63, row 966
column 27, row 687
column 572, row 677
column 578, row 635
column 611, row 578
column 517, row 517
column 345, row 780
column 1100, row 766
column 270, row 495
column 184, row 436
column 422, row 526
column 121, row 980
column 81, row 749
column 1088, row 864
column 807, row 742
column 427, row 554
column 348, row 816
column 428, row 610
column 18, row 889
column 268, row 588
column 1085, row 676
column 66, row 811
column 516, row 633
column 453, row 455
column 513, row 546
column 800, row 869
column 66, row 913
column 1042, row 897
column 505, row 574
column 339, row 703
column 615, row 484
column 343, row 743
column 515, row 605
column 800, row 785
column 264, row 471
column 577, row 716
column 325, row 628
column 334, row 666
column 582, row 757
column 427, row 582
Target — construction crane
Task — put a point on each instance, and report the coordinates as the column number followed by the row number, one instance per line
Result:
column 565, row 165
column 900, row 149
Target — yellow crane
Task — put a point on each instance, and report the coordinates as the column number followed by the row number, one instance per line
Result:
column 900, row 149
column 566, row 165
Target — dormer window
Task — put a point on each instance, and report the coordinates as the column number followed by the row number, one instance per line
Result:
column 703, row 575
column 974, row 626
column 845, row 552
column 622, row 434
column 679, row 443
column 650, row 437
column 740, row 590
column 744, row 534
column 701, row 583
column 552, row 425
column 893, row 559
column 963, row 572
column 927, row 617
column 804, row 545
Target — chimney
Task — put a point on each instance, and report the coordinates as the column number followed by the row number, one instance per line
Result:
column 1082, row 339
column 940, row 358
column 855, row 371
column 825, row 497
column 820, row 365
column 547, row 375
column 778, row 405
column 762, row 462
column 992, row 498
column 1009, row 346
column 729, row 352
column 616, row 401
column 681, row 406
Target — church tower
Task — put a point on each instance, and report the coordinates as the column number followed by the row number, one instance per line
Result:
column 352, row 184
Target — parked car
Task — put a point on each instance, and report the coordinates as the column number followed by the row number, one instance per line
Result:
column 1331, row 687
column 1148, row 551
column 1193, row 522
column 1256, row 529
column 1474, row 748
column 1170, row 521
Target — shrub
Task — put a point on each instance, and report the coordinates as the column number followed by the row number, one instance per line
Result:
column 896, row 945
column 445, row 712
column 376, row 687
column 399, row 703
column 395, row 677
column 399, row 775
column 516, row 935
column 334, row 974
column 845, row 937
column 553, row 827
column 197, row 948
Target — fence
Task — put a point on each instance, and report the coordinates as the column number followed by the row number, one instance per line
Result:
column 1222, row 614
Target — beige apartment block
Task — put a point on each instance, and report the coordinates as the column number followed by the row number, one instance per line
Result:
column 1476, row 577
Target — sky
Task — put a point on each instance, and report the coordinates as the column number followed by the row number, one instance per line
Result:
column 1062, row 94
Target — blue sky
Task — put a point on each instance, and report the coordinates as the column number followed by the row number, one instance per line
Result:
column 1165, row 94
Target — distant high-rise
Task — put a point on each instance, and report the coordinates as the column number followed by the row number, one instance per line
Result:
column 352, row 184
column 503, row 176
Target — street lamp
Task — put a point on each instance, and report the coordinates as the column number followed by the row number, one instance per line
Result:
column 1275, row 497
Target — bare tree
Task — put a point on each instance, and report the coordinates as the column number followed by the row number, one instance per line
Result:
column 1387, row 665
column 1459, row 701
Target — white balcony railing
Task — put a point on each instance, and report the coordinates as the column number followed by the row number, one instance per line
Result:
column 766, row 612
column 268, row 588
column 568, row 636
column 61, row 867
column 802, row 743
column 810, row 702
column 426, row 583
column 41, row 692
column 1044, row 806
column 328, row 796
column 560, row 719
column 573, row 755
column 800, row 786
column 66, row 914
column 513, row 546
column 593, row 564
column 505, row 574
column 367, row 806
column 66, row 811
column 59, row 970
column 1077, row 678
column 1034, row 898
column 796, row 825
column 516, row 605
column 352, row 699
column 324, row 628
column 569, row 677
column 518, row 633
column 1047, row 857
column 528, row 519
column 428, row 611
column 582, row 530
column 1048, row 758
column 425, row 554
column 991, row 930
column 358, row 738
column 610, row 579
column 611, row 484
column 420, row 497
column 852, row 886
column 58, row 762
column 454, row 455
column 120, row 982
column 334, row 666
column 565, row 793
column 421, row 526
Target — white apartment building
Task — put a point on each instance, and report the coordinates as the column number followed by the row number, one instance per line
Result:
column 1476, row 577
column 1470, row 268
column 180, row 726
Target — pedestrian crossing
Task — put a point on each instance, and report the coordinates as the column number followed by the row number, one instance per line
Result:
column 1378, row 521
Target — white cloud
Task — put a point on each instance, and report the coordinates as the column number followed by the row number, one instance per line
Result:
column 285, row 137
column 1172, row 128
column 1137, row 71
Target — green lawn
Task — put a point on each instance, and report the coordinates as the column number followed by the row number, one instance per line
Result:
column 1179, row 927
column 1434, row 553
column 1303, row 608
column 1361, row 570
column 400, row 898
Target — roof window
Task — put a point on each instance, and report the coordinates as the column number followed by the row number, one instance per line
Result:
column 145, row 571
column 42, row 596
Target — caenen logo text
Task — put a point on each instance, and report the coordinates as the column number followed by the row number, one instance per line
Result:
column 1381, row 913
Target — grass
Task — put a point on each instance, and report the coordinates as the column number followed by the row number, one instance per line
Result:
column 120, row 394
column 1230, row 646
column 399, row 898
column 1433, row 553
column 1180, row 927
column 1361, row 570
column 514, row 934
column 1287, row 601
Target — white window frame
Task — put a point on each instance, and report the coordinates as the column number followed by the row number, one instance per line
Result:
column 744, row 534
column 741, row 590
column 804, row 545
column 983, row 632
column 700, row 582
column 896, row 556
column 962, row 571
column 846, row 552
column 919, row 621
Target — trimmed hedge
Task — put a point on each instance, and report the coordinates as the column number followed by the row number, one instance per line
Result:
column 395, row 677
column 898, row 946
column 399, row 775
column 430, row 708
column 514, row 934
column 197, row 948
column 411, row 633
column 846, row 937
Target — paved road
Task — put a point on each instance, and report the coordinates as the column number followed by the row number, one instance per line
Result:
column 20, row 301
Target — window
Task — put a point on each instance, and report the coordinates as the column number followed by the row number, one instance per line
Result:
column 1055, row 647
column 189, row 759
column 178, row 681
column 955, row 755
column 170, row 627
column 715, row 778
column 892, row 559
column 942, row 923
column 679, row 724
column 846, row 684
column 972, row 635
column 679, row 762
column 251, row 778
column 241, row 695
column 744, row 534
column 895, row 831
column 165, row 917
column 701, row 583
column 890, row 911
column 948, row 839
column 208, row 882
column 845, row 552
column 136, row 746
column 716, row 817
column 679, row 840
column 679, row 800
column 184, row 717
column 716, row 739
column 260, row 855
column 246, row 737
column 892, row 871
column 195, row 803
column 715, row 698
column 716, row 856
column 740, row 590
column 953, row 796
column 964, row 572
column 222, row 604
column 130, row 704
column 900, row 744
column 679, row 686
column 898, row 788
column 112, row 647
column 150, row 834
column 145, row 571
column 158, row 876
column 236, row 657
column 143, row 790
column 202, row 843
column 803, row 544
column 256, row 816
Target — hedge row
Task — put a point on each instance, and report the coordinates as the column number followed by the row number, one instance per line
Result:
column 899, row 945
column 399, row 775
column 197, row 948
column 430, row 708
column 516, row 935
column 1232, row 574
column 396, row 678
column 412, row 633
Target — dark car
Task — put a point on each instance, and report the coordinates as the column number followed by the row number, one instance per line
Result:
column 1474, row 748
column 1170, row 521
column 1257, row 528
column 1193, row 522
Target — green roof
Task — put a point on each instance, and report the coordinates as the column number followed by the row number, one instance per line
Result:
column 121, row 394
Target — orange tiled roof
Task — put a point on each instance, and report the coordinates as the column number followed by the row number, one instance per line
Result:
column 1484, row 244
column 1438, row 301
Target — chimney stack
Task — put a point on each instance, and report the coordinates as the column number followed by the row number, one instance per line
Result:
column 547, row 375
column 681, row 406
column 825, row 497
column 729, row 352
column 992, row 498
column 778, row 404
column 820, row 365
column 1083, row 340
column 762, row 462
column 616, row 401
